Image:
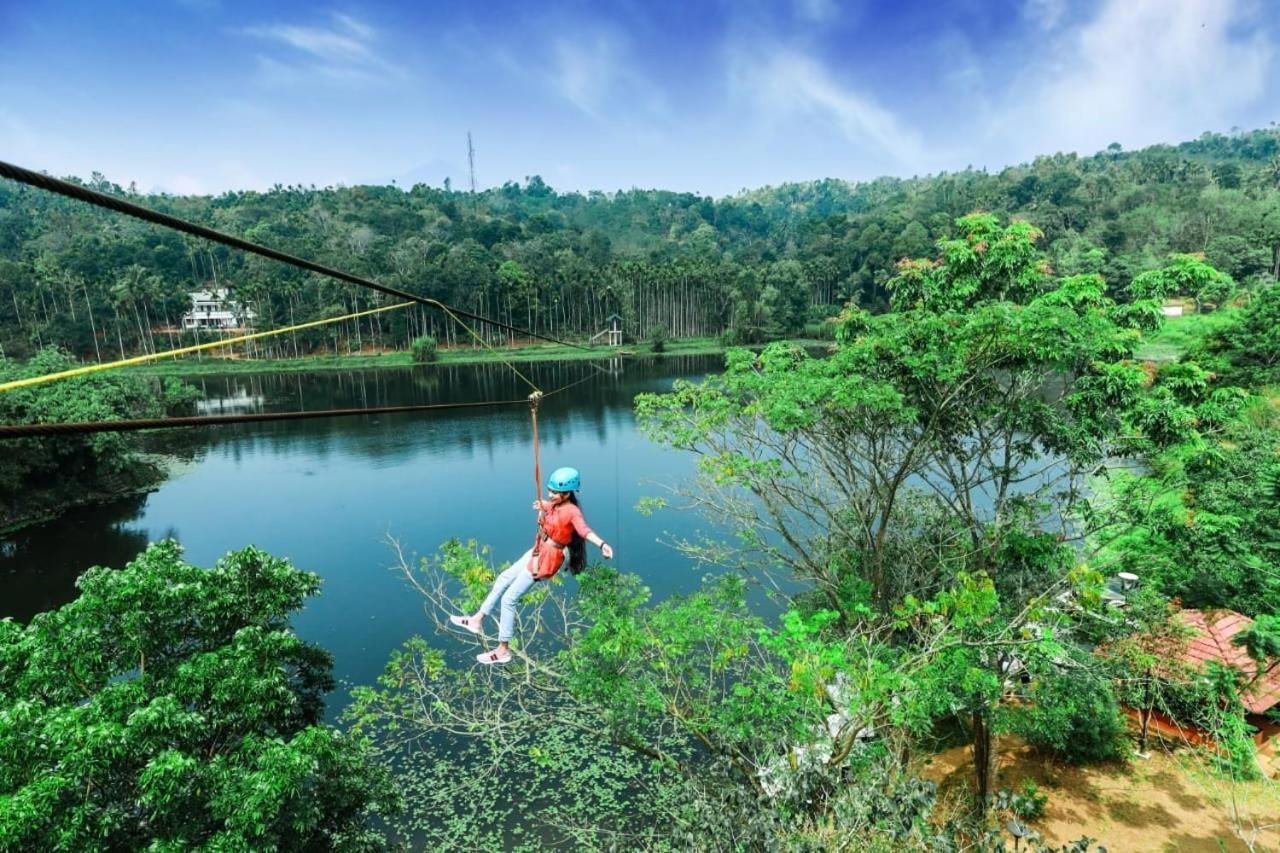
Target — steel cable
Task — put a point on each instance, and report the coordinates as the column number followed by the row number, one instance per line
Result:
column 79, row 427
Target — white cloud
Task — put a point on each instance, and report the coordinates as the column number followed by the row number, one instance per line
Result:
column 582, row 71
column 354, row 26
column 1045, row 14
column 594, row 71
column 787, row 85
column 349, row 44
column 346, row 50
column 1142, row 71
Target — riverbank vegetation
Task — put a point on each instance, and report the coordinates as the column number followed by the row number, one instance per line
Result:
column 458, row 355
column 41, row 476
column 1178, row 335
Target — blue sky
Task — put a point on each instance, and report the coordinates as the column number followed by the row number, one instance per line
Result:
column 198, row 96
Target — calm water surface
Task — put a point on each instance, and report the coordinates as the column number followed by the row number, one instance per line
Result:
column 325, row 493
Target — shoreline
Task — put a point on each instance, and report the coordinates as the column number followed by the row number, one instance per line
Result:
column 152, row 471
column 461, row 355
column 1167, row 344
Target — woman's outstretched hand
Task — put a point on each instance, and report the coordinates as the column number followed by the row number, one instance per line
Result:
column 607, row 550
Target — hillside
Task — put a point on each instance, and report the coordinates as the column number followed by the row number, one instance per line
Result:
column 768, row 261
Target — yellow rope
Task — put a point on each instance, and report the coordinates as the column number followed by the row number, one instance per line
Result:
column 485, row 344
column 142, row 359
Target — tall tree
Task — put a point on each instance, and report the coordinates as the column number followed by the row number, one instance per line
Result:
column 171, row 707
column 949, row 437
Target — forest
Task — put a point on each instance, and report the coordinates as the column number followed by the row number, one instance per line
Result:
column 944, row 503
column 759, row 265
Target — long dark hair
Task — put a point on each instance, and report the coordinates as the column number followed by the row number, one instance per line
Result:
column 577, row 545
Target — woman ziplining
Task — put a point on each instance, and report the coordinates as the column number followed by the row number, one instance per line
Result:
column 561, row 528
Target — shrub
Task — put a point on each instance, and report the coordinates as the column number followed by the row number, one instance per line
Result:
column 424, row 350
column 42, row 475
column 658, row 338
column 1029, row 803
column 1076, row 718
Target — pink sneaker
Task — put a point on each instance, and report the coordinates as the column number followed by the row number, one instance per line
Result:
column 495, row 656
column 466, row 623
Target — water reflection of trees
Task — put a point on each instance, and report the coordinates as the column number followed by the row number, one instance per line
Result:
column 610, row 389
column 39, row 565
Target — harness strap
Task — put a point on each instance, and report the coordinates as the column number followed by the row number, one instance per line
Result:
column 554, row 544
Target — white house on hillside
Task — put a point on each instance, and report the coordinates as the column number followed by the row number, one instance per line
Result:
column 213, row 309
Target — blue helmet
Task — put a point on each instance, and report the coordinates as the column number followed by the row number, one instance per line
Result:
column 564, row 480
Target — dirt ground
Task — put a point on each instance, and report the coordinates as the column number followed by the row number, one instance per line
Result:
column 1169, row 802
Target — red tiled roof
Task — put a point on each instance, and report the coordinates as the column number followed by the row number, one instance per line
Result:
column 1212, row 642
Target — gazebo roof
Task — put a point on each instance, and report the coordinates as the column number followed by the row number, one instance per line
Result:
column 1211, row 641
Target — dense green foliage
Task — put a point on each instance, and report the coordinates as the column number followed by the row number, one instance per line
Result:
column 1187, row 275
column 170, row 707
column 923, row 423
column 38, row 474
column 683, row 724
column 760, row 264
column 1073, row 717
column 1246, row 350
column 1203, row 524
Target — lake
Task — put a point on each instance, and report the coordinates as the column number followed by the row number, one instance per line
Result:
column 325, row 493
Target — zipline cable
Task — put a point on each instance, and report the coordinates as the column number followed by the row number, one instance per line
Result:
column 498, row 355
column 109, row 202
column 564, row 388
column 81, row 427
column 173, row 353
column 39, row 430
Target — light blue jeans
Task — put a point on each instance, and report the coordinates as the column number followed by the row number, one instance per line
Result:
column 510, row 585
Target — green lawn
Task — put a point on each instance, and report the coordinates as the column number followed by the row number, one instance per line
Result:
column 458, row 355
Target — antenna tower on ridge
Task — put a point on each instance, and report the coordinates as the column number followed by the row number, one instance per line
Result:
column 471, row 161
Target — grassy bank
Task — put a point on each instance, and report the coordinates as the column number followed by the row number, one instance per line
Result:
column 455, row 355
column 1178, row 334
column 1168, row 344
